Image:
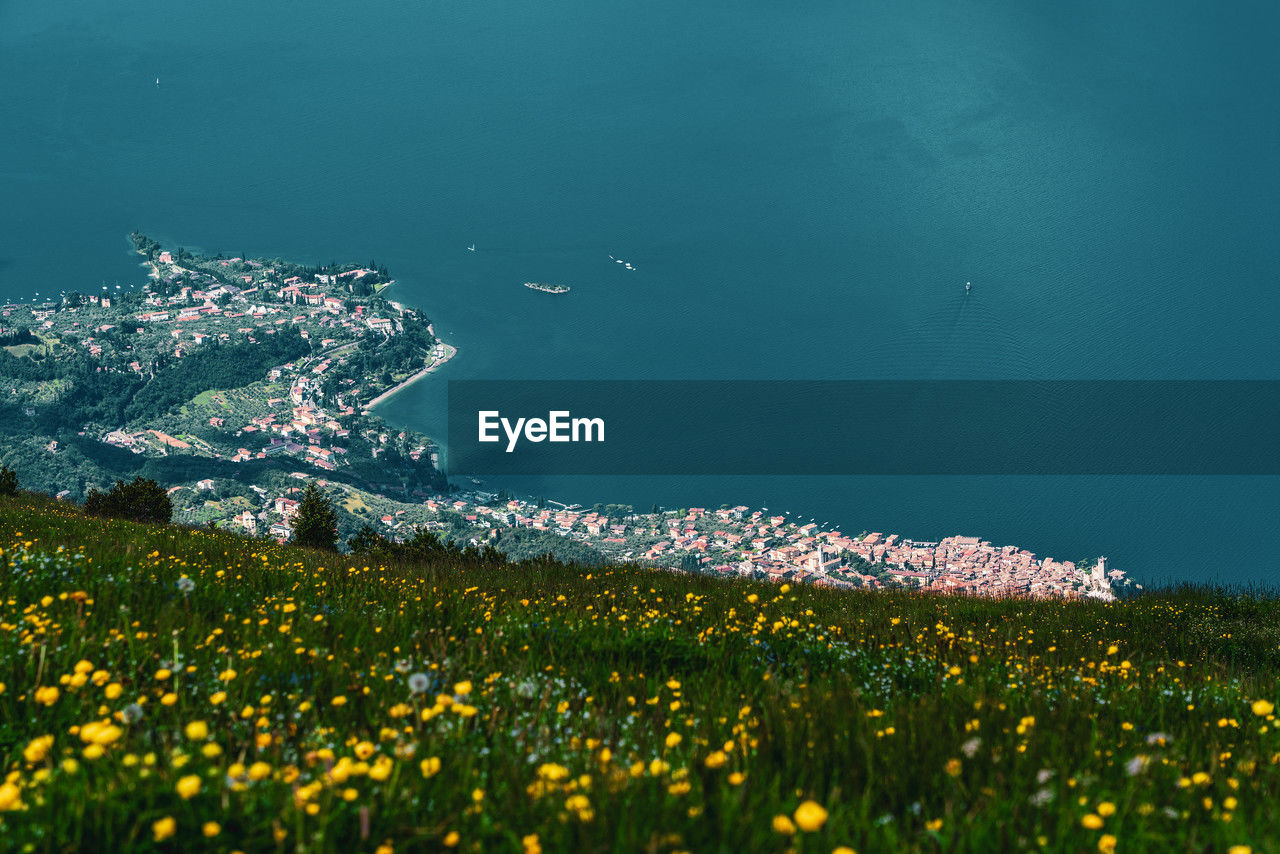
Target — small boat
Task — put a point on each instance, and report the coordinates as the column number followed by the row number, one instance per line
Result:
column 617, row 260
column 157, row 81
column 471, row 248
column 629, row 267
column 968, row 286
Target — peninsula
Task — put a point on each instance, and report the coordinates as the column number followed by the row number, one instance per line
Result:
column 232, row 380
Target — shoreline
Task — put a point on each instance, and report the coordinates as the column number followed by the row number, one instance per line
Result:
column 449, row 352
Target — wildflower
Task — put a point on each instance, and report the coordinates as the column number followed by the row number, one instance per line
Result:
column 783, row 825
column 1159, row 738
column 113, row 691
column 451, row 839
column 164, row 828
column 211, row 829
column 1092, row 821
column 970, row 747
column 10, row 797
column 1107, row 843
column 1136, row 765
column 430, row 766
column 673, row 739
column 736, row 778
column 339, row 700
column 462, row 689
column 47, row 695
column 1041, row 798
column 186, row 585
column 933, row 825
column 132, row 713
column 418, row 683
column 1262, row 708
column 953, row 767
column 1106, row 808
column 38, row 749
column 188, row 787
column 715, row 759
column 1043, row 776
column 163, row 673
column 197, row 730
column 810, row 816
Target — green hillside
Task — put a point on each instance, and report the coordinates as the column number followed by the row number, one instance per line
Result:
column 182, row 689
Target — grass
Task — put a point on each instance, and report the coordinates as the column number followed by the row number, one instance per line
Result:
column 286, row 699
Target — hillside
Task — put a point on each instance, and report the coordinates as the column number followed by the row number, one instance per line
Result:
column 184, row 689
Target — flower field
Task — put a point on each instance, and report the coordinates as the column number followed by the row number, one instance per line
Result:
column 175, row 689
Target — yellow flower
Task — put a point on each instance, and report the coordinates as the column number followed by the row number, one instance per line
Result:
column 430, row 766
column 259, row 771
column 47, row 695
column 169, row 699
column 38, row 749
column 339, row 700
column 451, row 838
column 211, row 750
column 197, row 730
column 462, row 689
column 933, row 825
column 673, row 738
column 810, row 816
column 227, row 675
column 211, row 828
column 1091, row 821
column 843, row 849
column 1107, row 843
column 218, row 698
column 113, row 691
column 188, row 787
column 1106, row 808
column 736, row 778
column 10, row 797
column 1239, row 849
column 164, row 828
column 783, row 825
column 364, row 750
column 94, row 751
column 716, row 759
column 1262, row 708
column 163, row 674
column 953, row 767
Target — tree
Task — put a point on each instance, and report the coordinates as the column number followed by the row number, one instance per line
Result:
column 8, row 481
column 140, row 500
column 316, row 525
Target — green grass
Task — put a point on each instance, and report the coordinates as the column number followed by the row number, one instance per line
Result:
column 607, row 709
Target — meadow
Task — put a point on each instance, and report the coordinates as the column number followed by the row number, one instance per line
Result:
column 168, row 688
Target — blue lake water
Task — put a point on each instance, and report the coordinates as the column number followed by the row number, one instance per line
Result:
column 803, row 190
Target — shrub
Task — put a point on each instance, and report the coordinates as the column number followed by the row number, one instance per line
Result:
column 140, row 500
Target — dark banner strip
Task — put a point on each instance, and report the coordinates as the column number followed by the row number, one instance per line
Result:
column 792, row 427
